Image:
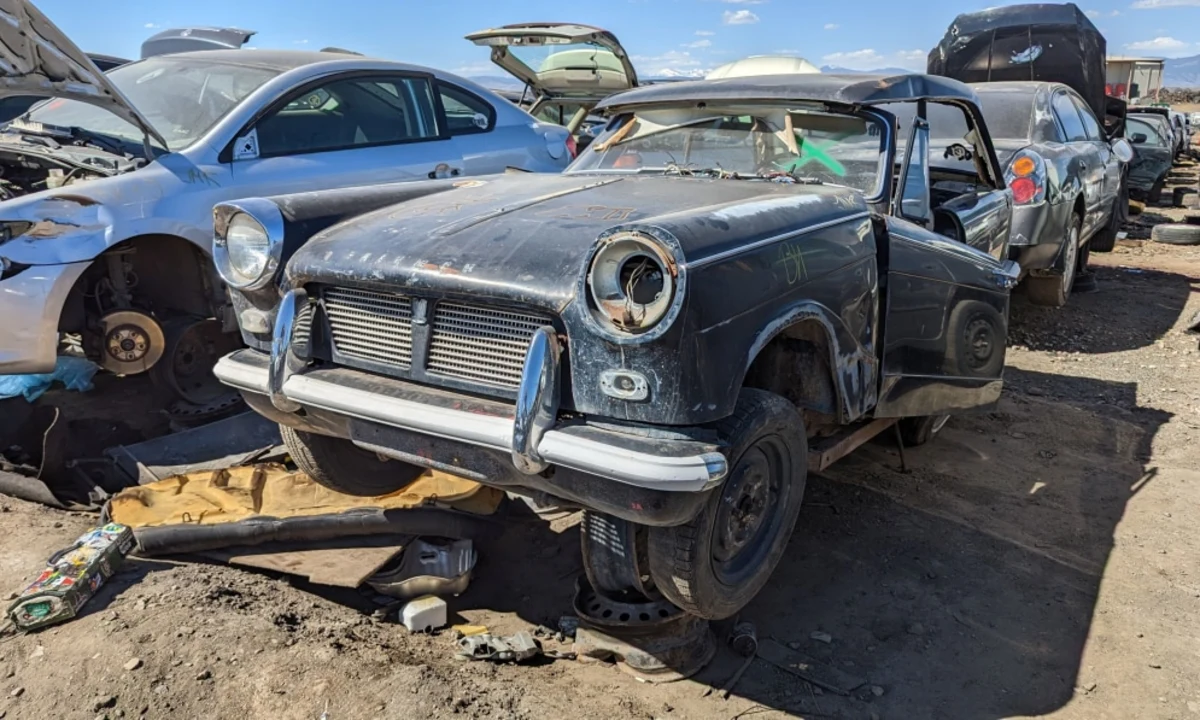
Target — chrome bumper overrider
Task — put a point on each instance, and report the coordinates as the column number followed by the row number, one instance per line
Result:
column 529, row 436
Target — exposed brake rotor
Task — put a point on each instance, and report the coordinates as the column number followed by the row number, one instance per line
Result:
column 132, row 342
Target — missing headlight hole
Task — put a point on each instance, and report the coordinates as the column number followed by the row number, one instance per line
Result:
column 642, row 279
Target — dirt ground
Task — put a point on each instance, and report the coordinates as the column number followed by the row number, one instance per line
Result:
column 1038, row 560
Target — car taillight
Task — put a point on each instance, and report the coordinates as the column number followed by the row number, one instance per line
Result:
column 572, row 148
column 1026, row 177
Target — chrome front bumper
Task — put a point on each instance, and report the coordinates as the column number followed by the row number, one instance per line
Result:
column 532, row 435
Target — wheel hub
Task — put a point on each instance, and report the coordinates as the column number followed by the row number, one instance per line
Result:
column 752, row 507
column 192, row 348
column 132, row 342
column 979, row 341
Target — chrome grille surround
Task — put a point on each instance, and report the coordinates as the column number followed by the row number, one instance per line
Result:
column 371, row 326
column 478, row 344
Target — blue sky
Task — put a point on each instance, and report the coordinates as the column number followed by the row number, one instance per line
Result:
column 683, row 36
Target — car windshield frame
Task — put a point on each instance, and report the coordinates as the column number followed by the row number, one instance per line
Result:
column 150, row 85
column 767, row 125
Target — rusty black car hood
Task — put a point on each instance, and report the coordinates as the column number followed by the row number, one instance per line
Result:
column 523, row 237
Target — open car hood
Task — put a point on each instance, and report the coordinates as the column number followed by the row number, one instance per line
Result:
column 591, row 62
column 37, row 59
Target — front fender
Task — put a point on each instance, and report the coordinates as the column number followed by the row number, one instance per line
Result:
column 855, row 369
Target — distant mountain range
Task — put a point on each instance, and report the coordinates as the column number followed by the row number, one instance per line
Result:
column 1182, row 72
column 835, row 70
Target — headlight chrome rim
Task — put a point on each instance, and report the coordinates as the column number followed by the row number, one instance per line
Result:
column 269, row 218
column 655, row 244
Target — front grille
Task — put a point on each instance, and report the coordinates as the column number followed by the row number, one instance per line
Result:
column 481, row 344
column 463, row 345
column 371, row 326
column 302, row 330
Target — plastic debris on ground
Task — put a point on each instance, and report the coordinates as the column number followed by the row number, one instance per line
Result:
column 72, row 577
column 74, row 373
column 425, row 614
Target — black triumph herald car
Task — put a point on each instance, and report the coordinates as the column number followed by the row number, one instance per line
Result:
column 734, row 273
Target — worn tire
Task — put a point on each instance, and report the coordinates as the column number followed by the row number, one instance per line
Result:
column 916, row 431
column 344, row 467
column 1154, row 197
column 682, row 561
column 1178, row 194
column 1105, row 239
column 1055, row 290
column 1172, row 234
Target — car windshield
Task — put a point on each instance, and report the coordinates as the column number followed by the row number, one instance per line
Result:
column 808, row 144
column 181, row 97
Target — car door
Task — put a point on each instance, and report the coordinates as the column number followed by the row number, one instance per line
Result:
column 1084, row 166
column 1104, row 158
column 354, row 129
column 946, row 307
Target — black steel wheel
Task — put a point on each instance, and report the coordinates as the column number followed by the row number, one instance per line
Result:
column 191, row 349
column 975, row 340
column 716, row 563
column 614, row 557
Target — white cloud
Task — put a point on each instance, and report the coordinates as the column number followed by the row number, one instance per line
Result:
column 1156, row 4
column 300, row 42
column 1161, row 44
column 479, row 68
column 1101, row 13
column 151, row 25
column 740, row 17
column 705, row 33
column 869, row 59
column 831, row 26
column 1092, row 13
column 702, row 43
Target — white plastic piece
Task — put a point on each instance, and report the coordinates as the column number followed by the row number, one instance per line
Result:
column 425, row 614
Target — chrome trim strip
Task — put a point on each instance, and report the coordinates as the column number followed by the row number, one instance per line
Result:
column 537, row 401
column 693, row 473
column 235, row 372
column 734, row 252
column 284, row 362
column 484, row 430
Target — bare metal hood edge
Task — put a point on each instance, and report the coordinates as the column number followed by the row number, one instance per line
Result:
column 36, row 58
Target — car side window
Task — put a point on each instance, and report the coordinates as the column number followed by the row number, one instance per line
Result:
column 1065, row 110
column 349, row 113
column 1090, row 125
column 466, row 113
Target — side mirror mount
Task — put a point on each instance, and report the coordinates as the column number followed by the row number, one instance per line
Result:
column 1138, row 138
column 1122, row 149
column 245, row 147
column 914, row 203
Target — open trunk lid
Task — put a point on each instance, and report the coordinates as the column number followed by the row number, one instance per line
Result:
column 560, row 60
column 179, row 40
column 37, row 59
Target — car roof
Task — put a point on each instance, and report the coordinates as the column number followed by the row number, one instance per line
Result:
column 840, row 89
column 280, row 60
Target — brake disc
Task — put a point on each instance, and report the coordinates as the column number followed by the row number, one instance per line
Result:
column 132, row 342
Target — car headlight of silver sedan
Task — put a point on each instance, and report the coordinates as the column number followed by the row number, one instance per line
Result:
column 247, row 242
column 634, row 284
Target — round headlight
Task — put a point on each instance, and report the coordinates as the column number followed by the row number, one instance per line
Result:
column 632, row 283
column 249, row 249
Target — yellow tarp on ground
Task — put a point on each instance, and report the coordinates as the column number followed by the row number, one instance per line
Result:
column 222, row 496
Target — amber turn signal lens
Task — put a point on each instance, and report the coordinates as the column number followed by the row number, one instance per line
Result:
column 1023, row 166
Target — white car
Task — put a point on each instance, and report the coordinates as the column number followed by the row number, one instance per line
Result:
column 107, row 189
